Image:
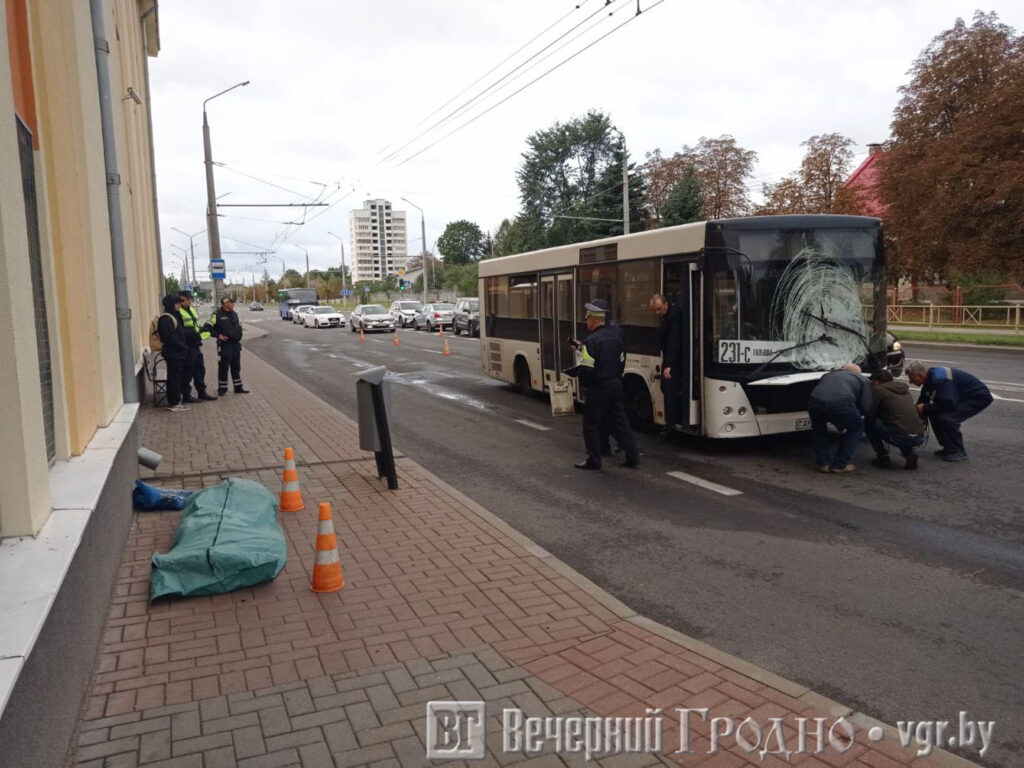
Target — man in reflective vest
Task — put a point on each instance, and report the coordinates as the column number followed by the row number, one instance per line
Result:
column 225, row 323
column 948, row 398
column 194, row 368
column 600, row 372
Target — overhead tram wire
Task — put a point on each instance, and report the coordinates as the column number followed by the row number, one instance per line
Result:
column 536, row 79
column 492, row 69
column 275, row 186
column 468, row 104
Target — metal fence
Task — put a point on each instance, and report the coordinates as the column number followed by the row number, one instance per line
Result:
column 981, row 316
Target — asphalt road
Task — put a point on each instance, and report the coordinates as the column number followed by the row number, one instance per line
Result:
column 897, row 593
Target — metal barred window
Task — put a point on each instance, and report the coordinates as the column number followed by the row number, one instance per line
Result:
column 35, row 257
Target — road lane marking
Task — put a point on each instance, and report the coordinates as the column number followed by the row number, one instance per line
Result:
column 1006, row 399
column 530, row 424
column 725, row 491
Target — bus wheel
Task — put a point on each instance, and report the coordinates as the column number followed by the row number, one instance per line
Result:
column 639, row 407
column 522, row 371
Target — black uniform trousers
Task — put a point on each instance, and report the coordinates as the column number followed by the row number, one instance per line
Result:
column 196, row 372
column 946, row 425
column 175, row 365
column 605, row 412
column 229, row 356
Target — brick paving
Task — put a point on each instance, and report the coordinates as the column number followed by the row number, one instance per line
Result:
column 442, row 601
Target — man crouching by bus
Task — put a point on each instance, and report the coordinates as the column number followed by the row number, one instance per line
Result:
column 600, row 371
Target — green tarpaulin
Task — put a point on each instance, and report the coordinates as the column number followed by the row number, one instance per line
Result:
column 228, row 538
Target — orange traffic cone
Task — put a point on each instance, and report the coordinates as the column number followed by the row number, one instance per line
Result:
column 291, row 496
column 446, row 350
column 396, row 338
column 362, row 336
column 326, row 565
column 440, row 330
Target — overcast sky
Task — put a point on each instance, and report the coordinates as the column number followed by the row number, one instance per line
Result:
column 335, row 82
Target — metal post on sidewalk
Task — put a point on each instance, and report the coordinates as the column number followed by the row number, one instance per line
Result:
column 373, row 403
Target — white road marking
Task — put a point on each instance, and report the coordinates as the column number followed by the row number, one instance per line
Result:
column 1006, row 399
column 947, row 362
column 725, row 491
column 530, row 424
column 330, row 355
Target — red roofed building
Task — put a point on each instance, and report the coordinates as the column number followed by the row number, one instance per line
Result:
column 863, row 182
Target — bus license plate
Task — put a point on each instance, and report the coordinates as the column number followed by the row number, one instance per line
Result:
column 803, row 423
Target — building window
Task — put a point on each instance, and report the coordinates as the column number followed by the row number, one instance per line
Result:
column 35, row 257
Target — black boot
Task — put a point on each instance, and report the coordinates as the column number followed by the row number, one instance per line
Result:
column 881, row 460
column 911, row 460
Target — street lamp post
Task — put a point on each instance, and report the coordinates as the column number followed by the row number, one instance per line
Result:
column 212, row 228
column 184, row 256
column 192, row 252
column 307, row 262
column 342, row 244
column 423, row 235
column 625, row 185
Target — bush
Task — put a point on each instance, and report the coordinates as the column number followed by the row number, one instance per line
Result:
column 974, row 294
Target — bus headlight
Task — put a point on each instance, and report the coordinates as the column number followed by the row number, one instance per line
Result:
column 742, row 410
column 729, row 427
column 727, row 410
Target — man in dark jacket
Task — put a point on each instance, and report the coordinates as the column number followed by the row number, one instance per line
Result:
column 949, row 397
column 226, row 326
column 670, row 338
column 840, row 398
column 893, row 419
column 174, row 351
column 600, row 372
column 195, row 366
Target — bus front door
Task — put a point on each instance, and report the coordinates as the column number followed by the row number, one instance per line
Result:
column 681, row 284
column 556, row 319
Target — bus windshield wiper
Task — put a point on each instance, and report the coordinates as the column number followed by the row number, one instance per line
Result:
column 826, row 322
column 777, row 355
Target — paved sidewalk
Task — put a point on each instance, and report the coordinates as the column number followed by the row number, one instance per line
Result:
column 441, row 601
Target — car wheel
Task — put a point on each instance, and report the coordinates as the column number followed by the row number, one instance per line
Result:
column 522, row 377
column 455, row 330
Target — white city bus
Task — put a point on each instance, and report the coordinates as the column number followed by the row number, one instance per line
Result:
column 769, row 304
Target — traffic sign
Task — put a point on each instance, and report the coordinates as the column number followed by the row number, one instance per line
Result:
column 188, row 287
column 401, row 271
column 217, row 269
column 366, row 289
column 346, row 293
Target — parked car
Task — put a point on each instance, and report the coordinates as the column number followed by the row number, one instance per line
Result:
column 371, row 317
column 255, row 307
column 404, row 311
column 894, row 355
column 433, row 316
column 467, row 317
column 297, row 312
column 323, row 316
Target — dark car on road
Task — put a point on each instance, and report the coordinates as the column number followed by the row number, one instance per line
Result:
column 467, row 317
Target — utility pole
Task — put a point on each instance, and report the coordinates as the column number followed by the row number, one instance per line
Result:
column 343, row 288
column 212, row 227
column 625, row 186
column 423, row 236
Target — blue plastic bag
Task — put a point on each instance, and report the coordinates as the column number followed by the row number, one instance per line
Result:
column 149, row 497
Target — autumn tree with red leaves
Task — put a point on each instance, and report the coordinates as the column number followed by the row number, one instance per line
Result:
column 954, row 175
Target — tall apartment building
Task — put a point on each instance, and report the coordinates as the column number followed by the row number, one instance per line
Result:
column 378, row 240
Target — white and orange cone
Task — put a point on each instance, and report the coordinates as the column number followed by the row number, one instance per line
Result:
column 326, row 565
column 396, row 338
column 291, row 496
column 362, row 336
column 446, row 350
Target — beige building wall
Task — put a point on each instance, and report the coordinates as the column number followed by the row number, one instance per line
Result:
column 24, row 482
column 74, row 239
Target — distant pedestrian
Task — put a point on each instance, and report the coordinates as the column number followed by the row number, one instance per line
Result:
column 195, row 367
column 174, row 351
column 600, row 372
column 224, row 323
column 840, row 398
column 893, row 419
column 949, row 396
column 673, row 376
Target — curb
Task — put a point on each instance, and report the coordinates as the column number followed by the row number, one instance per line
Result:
column 964, row 345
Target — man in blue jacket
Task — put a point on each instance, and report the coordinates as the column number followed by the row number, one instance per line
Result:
column 948, row 397
column 840, row 398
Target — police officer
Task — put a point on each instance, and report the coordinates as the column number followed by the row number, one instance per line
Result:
column 194, row 368
column 600, row 371
column 225, row 323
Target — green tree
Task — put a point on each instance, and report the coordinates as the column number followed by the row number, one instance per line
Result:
column 171, row 285
column 574, row 169
column 461, row 242
column 292, row 278
column 684, row 202
column 953, row 177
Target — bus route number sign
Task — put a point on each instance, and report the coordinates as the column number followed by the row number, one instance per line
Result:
column 742, row 351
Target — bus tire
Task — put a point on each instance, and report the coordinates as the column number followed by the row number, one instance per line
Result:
column 522, row 376
column 639, row 405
